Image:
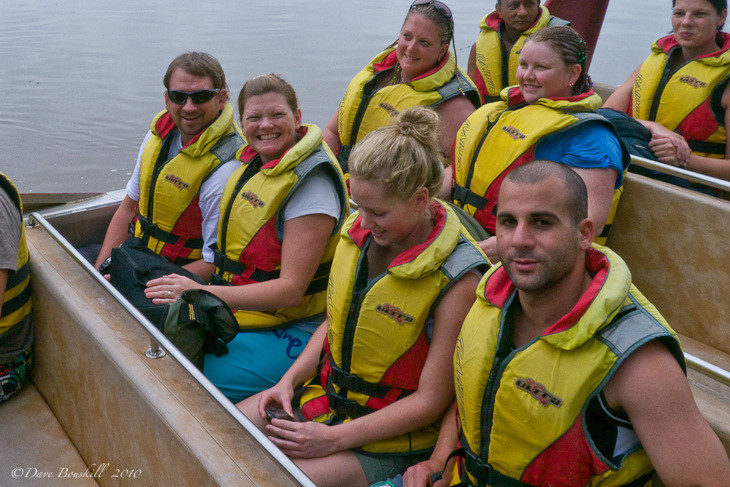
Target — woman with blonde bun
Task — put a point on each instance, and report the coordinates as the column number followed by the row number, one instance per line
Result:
column 371, row 385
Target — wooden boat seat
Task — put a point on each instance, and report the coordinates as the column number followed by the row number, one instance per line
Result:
column 35, row 446
column 675, row 241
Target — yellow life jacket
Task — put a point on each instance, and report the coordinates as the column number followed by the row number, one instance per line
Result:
column 16, row 299
column 501, row 136
column 169, row 219
column 366, row 107
column 522, row 411
column 686, row 100
column 376, row 329
column 495, row 67
column 251, row 226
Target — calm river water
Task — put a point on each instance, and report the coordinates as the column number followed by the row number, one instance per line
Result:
column 80, row 81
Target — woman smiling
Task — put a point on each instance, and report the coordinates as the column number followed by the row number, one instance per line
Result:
column 550, row 115
column 279, row 221
column 417, row 69
column 681, row 92
column 376, row 377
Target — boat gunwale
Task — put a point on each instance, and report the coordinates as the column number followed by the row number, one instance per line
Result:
column 691, row 176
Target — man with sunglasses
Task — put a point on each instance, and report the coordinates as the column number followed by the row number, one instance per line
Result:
column 182, row 167
column 494, row 56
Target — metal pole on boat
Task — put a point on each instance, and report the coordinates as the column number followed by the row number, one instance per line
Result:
column 155, row 351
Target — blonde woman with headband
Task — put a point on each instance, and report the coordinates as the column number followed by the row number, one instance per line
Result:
column 370, row 387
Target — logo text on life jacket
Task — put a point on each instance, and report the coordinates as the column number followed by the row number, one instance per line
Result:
column 538, row 391
column 513, row 132
column 692, row 81
column 179, row 183
column 252, row 198
column 395, row 313
column 389, row 108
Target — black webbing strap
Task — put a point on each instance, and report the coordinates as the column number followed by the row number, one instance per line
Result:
column 354, row 383
column 149, row 229
column 346, row 407
column 14, row 304
column 468, row 197
column 226, row 265
column 16, row 277
column 479, row 469
column 706, row 147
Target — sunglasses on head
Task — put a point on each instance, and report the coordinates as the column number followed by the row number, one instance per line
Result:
column 200, row 96
column 439, row 6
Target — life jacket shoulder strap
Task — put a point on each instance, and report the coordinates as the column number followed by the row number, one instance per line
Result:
column 458, row 85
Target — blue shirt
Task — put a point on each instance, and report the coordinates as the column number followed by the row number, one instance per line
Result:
column 589, row 145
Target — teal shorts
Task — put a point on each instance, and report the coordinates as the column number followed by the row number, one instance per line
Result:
column 256, row 360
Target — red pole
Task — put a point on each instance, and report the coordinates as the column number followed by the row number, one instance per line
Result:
column 586, row 16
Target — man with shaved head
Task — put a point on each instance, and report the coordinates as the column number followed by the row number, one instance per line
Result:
column 565, row 374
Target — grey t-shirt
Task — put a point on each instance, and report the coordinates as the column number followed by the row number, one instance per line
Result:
column 15, row 340
column 10, row 222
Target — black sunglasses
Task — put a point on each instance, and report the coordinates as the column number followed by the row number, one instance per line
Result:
column 201, row 96
column 439, row 6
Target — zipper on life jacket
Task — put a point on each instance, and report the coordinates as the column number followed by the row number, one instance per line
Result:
column 360, row 289
column 502, row 357
column 163, row 157
column 253, row 167
column 368, row 90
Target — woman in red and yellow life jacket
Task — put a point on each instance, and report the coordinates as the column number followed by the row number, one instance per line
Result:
column 417, row 69
column 279, row 223
column 401, row 284
column 681, row 91
column 550, row 115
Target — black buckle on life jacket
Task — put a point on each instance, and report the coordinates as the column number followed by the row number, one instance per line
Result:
column 346, row 407
column 149, row 229
column 468, row 197
column 226, row 265
column 351, row 382
column 476, row 467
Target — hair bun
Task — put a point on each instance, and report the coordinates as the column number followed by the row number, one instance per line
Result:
column 406, row 128
column 404, row 155
column 422, row 123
